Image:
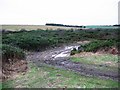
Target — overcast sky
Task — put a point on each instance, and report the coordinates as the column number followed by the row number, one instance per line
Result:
column 72, row 12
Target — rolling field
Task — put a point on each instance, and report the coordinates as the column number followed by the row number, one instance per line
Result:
column 33, row 27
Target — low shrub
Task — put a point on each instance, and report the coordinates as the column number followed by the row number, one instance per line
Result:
column 11, row 53
column 97, row 44
column 36, row 40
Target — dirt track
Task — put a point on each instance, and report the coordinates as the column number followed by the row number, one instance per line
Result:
column 59, row 57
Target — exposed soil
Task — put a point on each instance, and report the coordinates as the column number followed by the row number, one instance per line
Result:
column 52, row 57
column 112, row 50
column 10, row 69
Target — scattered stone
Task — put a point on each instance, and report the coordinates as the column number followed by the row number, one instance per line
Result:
column 58, row 75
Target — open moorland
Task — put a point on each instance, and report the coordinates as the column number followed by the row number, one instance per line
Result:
column 60, row 58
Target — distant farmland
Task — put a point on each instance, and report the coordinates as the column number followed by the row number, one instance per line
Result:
column 33, row 27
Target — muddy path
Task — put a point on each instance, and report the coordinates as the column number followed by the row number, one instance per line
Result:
column 59, row 57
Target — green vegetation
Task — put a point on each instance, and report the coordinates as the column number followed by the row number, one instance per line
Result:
column 104, row 62
column 0, row 85
column 51, row 77
column 10, row 52
column 97, row 44
column 98, row 59
column 41, row 39
column 15, row 43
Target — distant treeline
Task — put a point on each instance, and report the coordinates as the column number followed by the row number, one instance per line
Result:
column 117, row 25
column 52, row 24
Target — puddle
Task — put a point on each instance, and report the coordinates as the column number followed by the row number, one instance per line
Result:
column 65, row 52
column 71, row 47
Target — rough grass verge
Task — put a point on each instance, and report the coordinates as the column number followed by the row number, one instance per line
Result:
column 50, row 77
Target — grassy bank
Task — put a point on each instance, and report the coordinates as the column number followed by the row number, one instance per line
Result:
column 96, row 58
column 97, row 45
column 51, row 77
column 100, row 61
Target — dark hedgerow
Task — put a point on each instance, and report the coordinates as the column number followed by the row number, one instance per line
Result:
column 11, row 53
